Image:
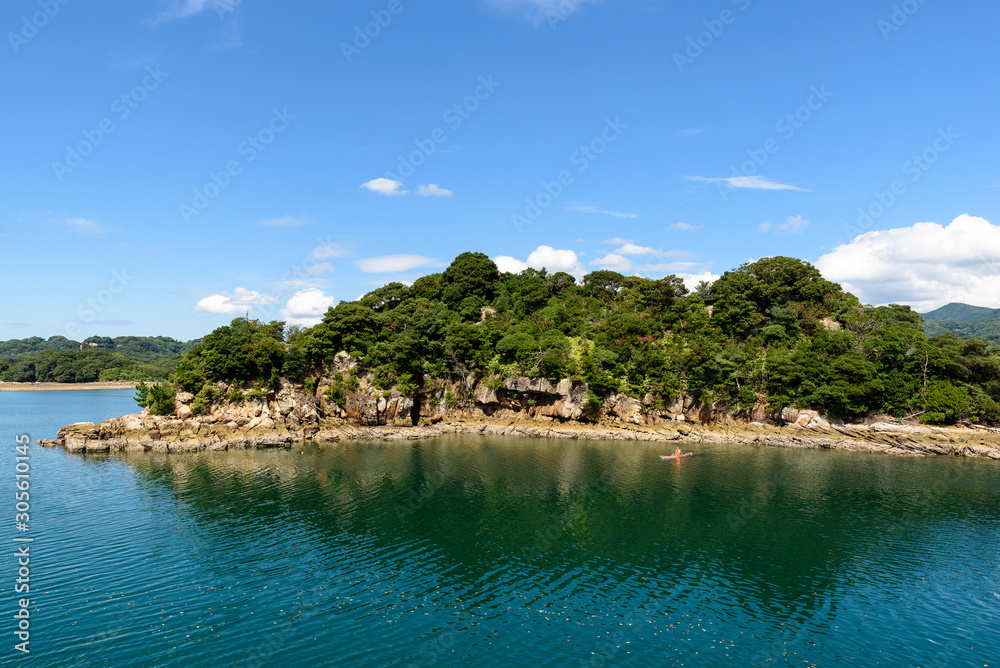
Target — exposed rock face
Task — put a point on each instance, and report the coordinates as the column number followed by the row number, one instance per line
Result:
column 492, row 406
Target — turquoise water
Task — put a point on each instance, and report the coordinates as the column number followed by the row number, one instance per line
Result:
column 498, row 551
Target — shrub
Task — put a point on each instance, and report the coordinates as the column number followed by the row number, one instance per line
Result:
column 309, row 386
column 335, row 393
column 205, row 398
column 159, row 399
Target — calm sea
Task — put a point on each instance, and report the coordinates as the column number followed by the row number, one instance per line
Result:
column 480, row 551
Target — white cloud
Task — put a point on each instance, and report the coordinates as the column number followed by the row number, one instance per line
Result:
column 925, row 265
column 628, row 247
column 691, row 281
column 433, row 190
column 284, row 221
column 613, row 262
column 632, row 249
column 85, row 226
column 240, row 302
column 685, row 227
column 384, row 186
column 792, row 225
column 389, row 187
column 752, row 182
column 594, row 209
column 306, row 307
column 510, row 265
column 392, row 263
column 691, row 132
column 544, row 257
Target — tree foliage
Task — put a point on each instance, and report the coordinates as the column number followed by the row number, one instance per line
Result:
column 772, row 331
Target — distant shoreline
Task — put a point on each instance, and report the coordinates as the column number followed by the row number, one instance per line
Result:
column 48, row 387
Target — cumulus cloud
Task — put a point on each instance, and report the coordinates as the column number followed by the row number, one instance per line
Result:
column 240, row 302
column 306, row 307
column 433, row 190
column 685, row 227
column 384, row 186
column 925, row 265
column 629, row 247
column 613, row 262
column 85, row 226
column 392, row 263
column 691, row 281
column 792, row 225
column 392, row 188
column 544, row 257
column 594, row 209
column 751, row 182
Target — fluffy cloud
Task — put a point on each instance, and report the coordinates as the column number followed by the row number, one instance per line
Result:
column 751, row 182
column 433, row 190
column 613, row 262
column 384, row 186
column 792, row 225
column 306, row 307
column 925, row 265
column 390, row 187
column 240, row 302
column 628, row 247
column 544, row 257
column 691, row 281
column 392, row 263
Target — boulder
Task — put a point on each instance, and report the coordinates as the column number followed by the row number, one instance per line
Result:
column 184, row 397
column 789, row 414
column 184, row 412
column 624, row 408
column 484, row 395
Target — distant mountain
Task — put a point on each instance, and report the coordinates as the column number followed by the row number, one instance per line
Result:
column 957, row 313
column 965, row 322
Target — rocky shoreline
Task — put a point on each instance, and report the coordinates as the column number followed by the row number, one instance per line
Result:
column 515, row 406
column 136, row 433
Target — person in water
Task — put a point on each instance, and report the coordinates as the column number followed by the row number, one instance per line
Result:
column 677, row 452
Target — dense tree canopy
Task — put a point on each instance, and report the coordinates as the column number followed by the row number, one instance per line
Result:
column 772, row 331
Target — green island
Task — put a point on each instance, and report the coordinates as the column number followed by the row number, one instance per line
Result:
column 768, row 344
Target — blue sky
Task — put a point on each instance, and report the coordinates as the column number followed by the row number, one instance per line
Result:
column 171, row 164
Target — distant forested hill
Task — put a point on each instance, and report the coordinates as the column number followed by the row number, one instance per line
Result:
column 957, row 312
column 61, row 360
column 986, row 327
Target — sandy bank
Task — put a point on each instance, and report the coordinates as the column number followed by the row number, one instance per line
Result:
column 48, row 387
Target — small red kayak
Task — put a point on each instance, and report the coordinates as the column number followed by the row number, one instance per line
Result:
column 686, row 454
